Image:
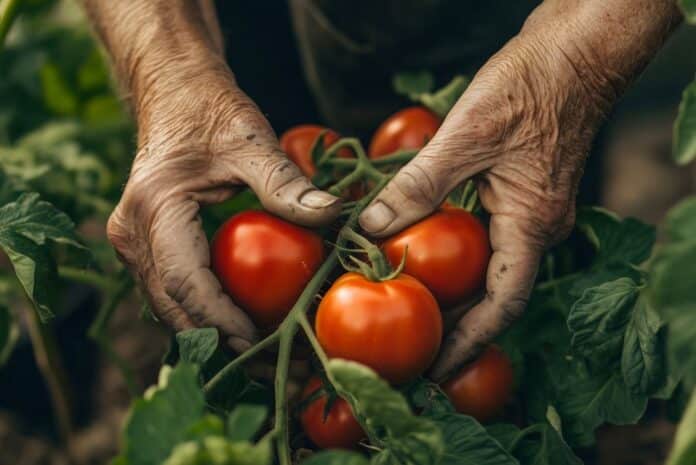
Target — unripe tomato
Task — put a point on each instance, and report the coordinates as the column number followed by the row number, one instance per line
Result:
column 410, row 128
column 264, row 263
column 338, row 429
column 482, row 388
column 447, row 251
column 393, row 326
column 297, row 144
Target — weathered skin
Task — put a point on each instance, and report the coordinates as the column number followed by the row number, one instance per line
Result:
column 199, row 136
column 522, row 129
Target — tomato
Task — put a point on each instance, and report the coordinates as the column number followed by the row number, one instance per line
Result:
column 338, row 429
column 482, row 388
column 393, row 326
column 447, row 251
column 410, row 128
column 264, row 263
column 297, row 143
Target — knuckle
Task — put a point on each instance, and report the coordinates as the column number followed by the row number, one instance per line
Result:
column 415, row 184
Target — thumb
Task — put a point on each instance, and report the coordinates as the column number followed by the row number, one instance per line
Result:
column 416, row 191
column 286, row 192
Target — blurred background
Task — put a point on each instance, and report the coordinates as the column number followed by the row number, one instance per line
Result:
column 65, row 134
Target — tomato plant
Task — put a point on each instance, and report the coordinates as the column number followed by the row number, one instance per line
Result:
column 482, row 388
column 264, row 263
column 447, row 251
column 410, row 128
column 392, row 326
column 602, row 336
column 331, row 428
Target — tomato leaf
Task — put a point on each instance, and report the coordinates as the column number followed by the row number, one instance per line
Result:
column 689, row 9
column 245, row 421
column 616, row 240
column 27, row 226
column 467, row 442
column 684, row 145
column 162, row 419
column 588, row 401
column 599, row 318
column 684, row 447
column 413, row 84
column 386, row 416
column 427, row 397
column 336, row 457
column 220, row 450
column 643, row 355
column 9, row 333
column 680, row 222
column 197, row 345
column 541, row 444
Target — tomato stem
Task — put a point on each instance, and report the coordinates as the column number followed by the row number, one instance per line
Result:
column 8, row 13
column 88, row 277
column 231, row 367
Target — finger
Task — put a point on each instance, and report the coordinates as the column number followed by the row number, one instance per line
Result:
column 416, row 191
column 138, row 260
column 284, row 191
column 182, row 260
column 509, row 280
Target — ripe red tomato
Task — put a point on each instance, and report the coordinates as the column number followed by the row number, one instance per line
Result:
column 447, row 251
column 338, row 429
column 393, row 326
column 482, row 388
column 297, row 143
column 410, row 128
column 264, row 263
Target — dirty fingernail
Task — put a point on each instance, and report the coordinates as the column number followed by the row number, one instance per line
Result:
column 377, row 217
column 317, row 199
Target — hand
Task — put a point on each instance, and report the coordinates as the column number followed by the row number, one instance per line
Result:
column 198, row 143
column 521, row 131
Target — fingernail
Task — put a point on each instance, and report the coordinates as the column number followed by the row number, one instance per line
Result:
column 317, row 199
column 377, row 217
column 238, row 344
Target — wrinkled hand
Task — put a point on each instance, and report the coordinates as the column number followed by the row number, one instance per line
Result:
column 522, row 131
column 197, row 145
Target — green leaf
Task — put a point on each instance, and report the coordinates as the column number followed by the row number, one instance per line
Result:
column 413, row 83
column 428, row 398
column 643, row 357
column 9, row 333
column 335, row 457
column 26, row 227
column 670, row 282
column 245, row 421
column 589, row 401
column 684, row 145
column 218, row 450
column 197, row 345
column 681, row 334
column 467, row 442
column 616, row 240
column 386, row 416
column 58, row 95
column 162, row 419
column 680, row 221
column 541, row 444
column 599, row 318
column 684, row 447
column 689, row 9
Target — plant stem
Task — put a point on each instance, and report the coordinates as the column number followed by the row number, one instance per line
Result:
column 97, row 330
column 309, row 332
column 281, row 381
column 48, row 361
column 8, row 13
column 124, row 284
column 89, row 277
column 230, row 368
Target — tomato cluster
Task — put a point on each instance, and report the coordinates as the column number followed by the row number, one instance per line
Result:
column 392, row 325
